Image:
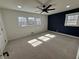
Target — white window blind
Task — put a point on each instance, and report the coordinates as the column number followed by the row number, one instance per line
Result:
column 31, row 21
column 38, row 21
column 23, row 21
column 72, row 19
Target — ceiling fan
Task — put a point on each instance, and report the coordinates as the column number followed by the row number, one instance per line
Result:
column 45, row 7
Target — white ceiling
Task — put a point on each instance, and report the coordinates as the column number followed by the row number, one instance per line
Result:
column 30, row 5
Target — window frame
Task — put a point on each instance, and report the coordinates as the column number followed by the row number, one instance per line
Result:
column 27, row 21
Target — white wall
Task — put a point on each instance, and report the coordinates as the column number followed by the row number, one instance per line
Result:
column 3, row 26
column 10, row 18
column 3, row 37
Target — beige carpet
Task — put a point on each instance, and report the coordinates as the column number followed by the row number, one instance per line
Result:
column 59, row 47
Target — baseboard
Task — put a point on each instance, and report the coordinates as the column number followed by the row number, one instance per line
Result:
column 27, row 36
column 65, row 34
column 43, row 32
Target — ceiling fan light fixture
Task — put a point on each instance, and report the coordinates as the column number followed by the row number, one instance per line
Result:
column 68, row 6
column 19, row 6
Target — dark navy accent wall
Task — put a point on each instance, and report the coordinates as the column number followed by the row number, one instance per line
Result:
column 56, row 23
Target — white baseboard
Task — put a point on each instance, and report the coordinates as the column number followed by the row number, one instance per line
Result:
column 65, row 34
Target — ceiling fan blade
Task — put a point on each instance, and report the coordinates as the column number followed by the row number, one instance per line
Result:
column 48, row 6
column 37, row 10
column 41, row 12
column 51, row 9
column 39, row 7
column 47, row 12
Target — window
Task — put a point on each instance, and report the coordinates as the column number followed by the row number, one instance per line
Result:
column 72, row 19
column 38, row 21
column 31, row 21
column 34, row 21
column 22, row 21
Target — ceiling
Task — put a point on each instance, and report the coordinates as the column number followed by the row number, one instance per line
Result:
column 30, row 5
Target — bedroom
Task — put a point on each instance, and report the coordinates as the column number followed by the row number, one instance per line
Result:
column 39, row 29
